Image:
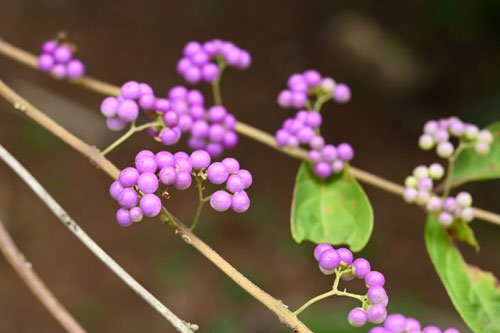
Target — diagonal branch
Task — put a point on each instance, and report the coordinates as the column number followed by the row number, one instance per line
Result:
column 63, row 216
column 25, row 271
column 273, row 304
column 256, row 134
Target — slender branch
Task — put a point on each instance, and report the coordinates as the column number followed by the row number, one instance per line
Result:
column 244, row 129
column 273, row 304
column 25, row 271
column 216, row 83
column 131, row 131
column 201, row 203
column 64, row 217
column 314, row 300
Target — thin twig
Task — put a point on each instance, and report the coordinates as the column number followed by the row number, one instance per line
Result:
column 64, row 217
column 25, row 271
column 107, row 89
column 275, row 305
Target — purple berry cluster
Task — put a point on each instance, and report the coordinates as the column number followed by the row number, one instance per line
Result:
column 201, row 61
column 397, row 323
column 124, row 109
column 311, row 83
column 136, row 188
column 375, row 300
column 302, row 129
column 437, row 133
column 419, row 190
column 237, row 181
column 57, row 58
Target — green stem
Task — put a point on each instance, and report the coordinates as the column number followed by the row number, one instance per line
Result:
column 322, row 99
column 132, row 130
column 201, row 203
column 216, row 84
column 449, row 172
column 314, row 300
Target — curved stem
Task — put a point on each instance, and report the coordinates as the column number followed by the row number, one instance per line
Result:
column 26, row 272
column 314, row 300
column 216, row 83
column 449, row 172
column 131, row 131
column 273, row 304
column 201, row 202
column 256, row 134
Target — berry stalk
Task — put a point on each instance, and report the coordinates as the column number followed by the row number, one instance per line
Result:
column 132, row 130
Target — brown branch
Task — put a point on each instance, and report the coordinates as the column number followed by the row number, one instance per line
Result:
column 25, row 271
column 273, row 304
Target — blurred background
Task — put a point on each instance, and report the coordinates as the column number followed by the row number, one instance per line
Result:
column 406, row 62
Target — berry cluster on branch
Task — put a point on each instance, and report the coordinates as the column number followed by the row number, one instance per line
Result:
column 57, row 58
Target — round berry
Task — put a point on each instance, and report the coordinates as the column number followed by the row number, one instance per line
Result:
column 168, row 175
column 376, row 313
column 183, row 180
column 434, row 204
column 143, row 153
column 346, row 256
column 376, row 295
column 246, row 176
column 59, row 71
column 451, row 330
column 192, row 74
column 299, row 99
column 200, row 159
column 235, row 184
column 75, row 69
column 431, row 329
column 395, row 323
column 200, row 129
column 425, row 184
column 320, row 248
column 150, row 205
column 170, row 136
column 445, row 149
column 220, row 200
column 412, row 324
column 146, row 164
column 217, row 173
column 123, row 217
column 410, row 194
column 128, row 110
column 375, row 279
column 446, row 219
column 209, row 72
column 361, row 267
column 162, row 105
column 183, row 164
column 163, row 159
column 131, row 90
column 317, row 142
column 147, row 182
column 482, row 148
column 450, row 204
column 436, row 171
column 468, row 214
column 312, row 77
column 342, row 93
column 45, row 62
column 240, row 202
column 217, row 113
column 357, row 317
column 128, row 177
column 329, row 153
column 115, row 124
column 128, row 198
column 63, row 54
column 323, row 169
column 285, row 98
column 345, row 152
column 115, row 189
column 109, row 107
column 464, row 199
column 49, row 46
column 421, row 171
column 329, row 259
column 426, row 142
column 135, row 214
column 231, row 164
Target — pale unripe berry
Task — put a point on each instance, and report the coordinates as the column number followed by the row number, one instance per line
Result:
column 421, row 171
column 426, row 142
column 411, row 181
column 464, row 199
column 436, row 171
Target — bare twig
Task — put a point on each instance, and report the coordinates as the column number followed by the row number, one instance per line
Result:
column 25, row 271
column 63, row 216
column 275, row 305
column 107, row 89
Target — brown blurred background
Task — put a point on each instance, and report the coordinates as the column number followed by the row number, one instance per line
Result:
column 406, row 62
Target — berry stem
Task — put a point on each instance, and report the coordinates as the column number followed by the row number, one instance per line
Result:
column 132, row 130
column 322, row 99
column 451, row 164
column 314, row 300
column 216, row 83
column 201, row 203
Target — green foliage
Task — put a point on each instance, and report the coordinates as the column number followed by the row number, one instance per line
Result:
column 335, row 210
column 474, row 293
column 472, row 167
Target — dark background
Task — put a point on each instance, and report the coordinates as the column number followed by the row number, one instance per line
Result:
column 406, row 62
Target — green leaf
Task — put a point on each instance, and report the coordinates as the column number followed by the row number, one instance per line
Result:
column 462, row 231
column 473, row 167
column 474, row 293
column 334, row 211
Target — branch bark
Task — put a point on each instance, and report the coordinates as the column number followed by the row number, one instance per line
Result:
column 26, row 272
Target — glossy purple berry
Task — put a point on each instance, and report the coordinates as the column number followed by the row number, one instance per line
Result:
column 115, row 124
column 312, row 77
column 314, row 119
column 323, row 169
column 146, row 164
column 128, row 110
column 346, row 256
column 144, row 153
column 183, row 180
column 329, row 153
column 230, row 139
column 123, row 217
column 45, row 62
column 412, row 324
column 345, row 152
column 329, row 259
column 374, row 279
column 162, row 105
column 231, row 164
column 217, row 113
column 285, row 98
column 395, row 323
column 216, row 133
column 183, row 164
column 128, row 177
column 150, row 205
column 451, row 330
column 192, row 75
column 135, row 214
column 217, row 173
column 128, row 198
column 49, row 46
column 378, row 329
column 320, row 248
column 376, row 313
column 342, row 93
column 376, row 295
column 209, row 72
column 200, row 159
column 163, row 159
column 147, row 182
column 147, row 101
column 214, row 149
column 235, row 184
column 109, row 107
column 361, row 267
column 431, row 329
column 115, row 189
column 168, row 175
column 357, row 317
column 75, row 69
column 246, row 176
column 170, row 136
column 59, row 71
column 200, row 129
column 240, row 202
column 63, row 54
column 220, row 201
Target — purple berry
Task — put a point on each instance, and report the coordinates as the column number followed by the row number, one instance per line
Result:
column 131, row 90
column 378, row 329
column 346, row 256
column 314, row 119
column 216, row 133
column 115, row 124
column 314, row 156
column 357, row 317
column 171, row 118
column 361, row 267
column 374, row 279
column 59, row 71
column 282, row 136
column 342, row 93
column 150, row 205
column 320, row 248
column 345, row 152
column 128, row 198
column 235, row 184
column 183, row 164
column 192, row 75
column 451, row 330
column 230, row 139
column 135, row 214
column 299, row 99
column 446, row 219
column 214, row 149
column 45, row 62
column 220, row 200
column 246, row 176
column 123, row 217
column 168, row 175
column 162, row 105
column 305, row 134
column 163, row 159
column 209, row 72
column 145, row 89
column 312, row 77
column 200, row 129
column 195, row 97
column 317, row 142
column 217, row 173
column 217, row 113
column 200, row 159
column 431, row 329
column 63, row 54
column 128, row 110
column 144, row 153
column 109, row 107
column 199, row 58
column 323, row 169
column 147, row 182
column 376, row 313
column 230, row 121
column 191, row 48
column 329, row 153
column 376, row 295
column 285, row 98
column 183, row 64
column 412, row 324
column 128, row 177
column 115, row 189
column 231, row 164
column 183, row 180
column 395, row 323
column 49, row 46
column 329, row 259
column 146, row 164
column 240, row 201
column 170, row 136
